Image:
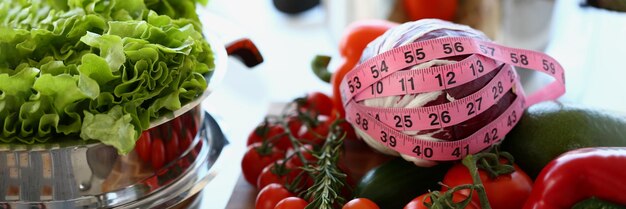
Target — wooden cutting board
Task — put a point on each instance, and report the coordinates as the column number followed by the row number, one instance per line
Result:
column 359, row 158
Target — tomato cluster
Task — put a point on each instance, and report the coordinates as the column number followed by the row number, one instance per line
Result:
column 503, row 191
column 165, row 143
column 282, row 150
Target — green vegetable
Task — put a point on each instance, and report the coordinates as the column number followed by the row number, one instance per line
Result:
column 549, row 129
column 395, row 183
column 595, row 203
column 98, row 69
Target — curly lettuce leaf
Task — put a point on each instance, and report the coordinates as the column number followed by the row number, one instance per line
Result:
column 91, row 68
column 99, row 126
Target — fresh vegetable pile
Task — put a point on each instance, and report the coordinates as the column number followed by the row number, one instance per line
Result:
column 294, row 158
column 562, row 147
column 101, row 69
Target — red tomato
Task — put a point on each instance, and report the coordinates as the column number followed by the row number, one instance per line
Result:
column 190, row 123
column 256, row 158
column 418, row 202
column 158, row 153
column 360, row 203
column 177, row 124
column 270, row 195
column 349, row 130
column 421, row 9
column 270, row 132
column 171, row 149
column 504, row 192
column 144, row 147
column 276, row 172
column 259, row 134
column 319, row 102
column 186, row 138
column 316, row 135
column 294, row 124
column 278, row 136
column 296, row 162
column 292, row 203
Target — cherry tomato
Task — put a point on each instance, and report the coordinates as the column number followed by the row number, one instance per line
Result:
column 506, row 191
column 292, row 203
column 319, row 102
column 158, row 153
column 256, row 158
column 186, row 138
column 190, row 123
column 274, row 132
column 270, row 195
column 259, row 134
column 294, row 124
column 171, row 149
column 360, row 203
column 279, row 137
column 276, row 172
column 418, row 202
column 421, row 9
column 177, row 124
column 296, row 162
column 315, row 135
column 144, row 147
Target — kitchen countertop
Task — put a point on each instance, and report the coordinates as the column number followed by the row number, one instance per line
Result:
column 586, row 41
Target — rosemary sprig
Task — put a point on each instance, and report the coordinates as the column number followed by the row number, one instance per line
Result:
column 329, row 179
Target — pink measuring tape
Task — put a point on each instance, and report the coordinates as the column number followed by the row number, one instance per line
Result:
column 382, row 76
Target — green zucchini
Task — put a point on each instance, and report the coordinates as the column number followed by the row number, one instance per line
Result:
column 395, row 183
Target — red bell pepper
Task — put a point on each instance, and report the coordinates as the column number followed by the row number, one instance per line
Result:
column 354, row 40
column 578, row 175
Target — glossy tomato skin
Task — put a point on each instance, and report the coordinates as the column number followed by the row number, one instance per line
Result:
column 279, row 137
column 421, row 9
column 256, row 158
column 143, row 147
column 292, row 203
column 274, row 132
column 258, row 134
column 270, row 195
column 319, row 102
column 315, row 135
column 276, row 172
column 171, row 149
column 186, row 138
column 418, row 202
column 508, row 191
column 294, row 164
column 158, row 153
column 360, row 203
column 354, row 40
column 295, row 161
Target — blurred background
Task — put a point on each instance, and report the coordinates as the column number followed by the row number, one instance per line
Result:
column 587, row 40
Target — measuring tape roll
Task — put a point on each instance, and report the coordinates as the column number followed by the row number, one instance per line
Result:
column 443, row 125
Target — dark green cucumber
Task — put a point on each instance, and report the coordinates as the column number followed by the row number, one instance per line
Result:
column 395, row 183
column 595, row 203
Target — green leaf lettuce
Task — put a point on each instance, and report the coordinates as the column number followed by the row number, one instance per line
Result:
column 98, row 69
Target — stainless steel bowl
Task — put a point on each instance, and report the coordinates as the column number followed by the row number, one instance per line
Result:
column 73, row 173
column 79, row 175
